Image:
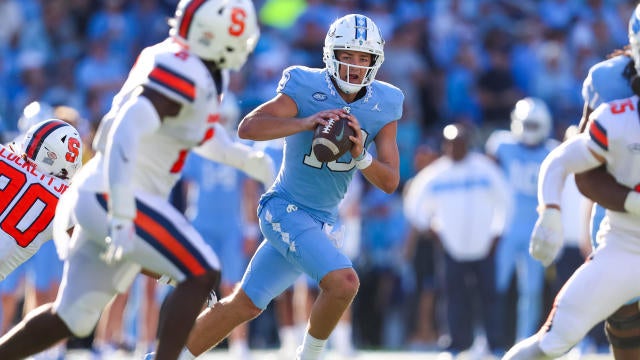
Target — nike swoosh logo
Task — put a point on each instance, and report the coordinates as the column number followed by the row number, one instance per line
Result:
column 341, row 135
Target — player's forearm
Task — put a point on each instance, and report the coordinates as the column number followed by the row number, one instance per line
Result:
column 223, row 149
column 382, row 175
column 260, row 126
column 601, row 187
column 571, row 157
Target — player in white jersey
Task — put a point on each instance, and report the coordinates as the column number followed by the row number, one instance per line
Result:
column 614, row 78
column 609, row 279
column 33, row 175
column 167, row 106
column 297, row 212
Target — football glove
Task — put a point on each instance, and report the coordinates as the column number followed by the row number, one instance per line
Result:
column 120, row 241
column 547, row 237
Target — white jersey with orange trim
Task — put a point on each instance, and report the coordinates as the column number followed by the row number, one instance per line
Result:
column 614, row 130
column 27, row 206
column 613, row 133
column 171, row 70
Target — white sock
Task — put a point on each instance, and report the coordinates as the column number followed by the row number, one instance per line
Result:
column 186, row 355
column 311, row 348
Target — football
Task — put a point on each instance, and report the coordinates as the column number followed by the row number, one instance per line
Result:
column 331, row 141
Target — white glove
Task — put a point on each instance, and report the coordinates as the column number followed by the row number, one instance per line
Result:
column 120, row 241
column 547, row 237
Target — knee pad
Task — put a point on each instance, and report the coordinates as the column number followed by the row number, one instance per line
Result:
column 623, row 327
column 82, row 315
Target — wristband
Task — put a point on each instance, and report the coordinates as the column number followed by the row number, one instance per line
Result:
column 632, row 203
column 365, row 162
column 361, row 156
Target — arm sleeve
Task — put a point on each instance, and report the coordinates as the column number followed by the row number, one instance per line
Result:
column 137, row 117
column 573, row 156
column 221, row 148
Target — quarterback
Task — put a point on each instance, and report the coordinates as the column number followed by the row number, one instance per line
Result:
column 297, row 213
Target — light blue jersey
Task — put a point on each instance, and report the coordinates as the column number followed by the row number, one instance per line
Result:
column 303, row 180
column 605, row 82
column 521, row 165
column 216, row 211
column 297, row 211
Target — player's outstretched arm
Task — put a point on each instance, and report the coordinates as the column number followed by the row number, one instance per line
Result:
column 221, row 148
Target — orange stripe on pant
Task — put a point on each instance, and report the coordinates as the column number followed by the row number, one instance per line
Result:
column 170, row 243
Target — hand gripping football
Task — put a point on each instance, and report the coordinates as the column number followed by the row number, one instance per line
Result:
column 331, row 141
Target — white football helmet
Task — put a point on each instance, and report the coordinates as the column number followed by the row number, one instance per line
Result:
column 34, row 113
column 634, row 37
column 222, row 31
column 531, row 121
column 357, row 33
column 55, row 147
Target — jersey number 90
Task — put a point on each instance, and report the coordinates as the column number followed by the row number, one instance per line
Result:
column 33, row 205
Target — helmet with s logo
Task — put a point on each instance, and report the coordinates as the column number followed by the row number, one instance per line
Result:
column 55, row 147
column 222, row 31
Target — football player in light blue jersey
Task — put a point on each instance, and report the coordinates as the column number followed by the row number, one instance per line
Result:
column 298, row 211
column 215, row 193
column 519, row 153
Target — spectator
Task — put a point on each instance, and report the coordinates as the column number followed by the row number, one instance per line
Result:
column 463, row 187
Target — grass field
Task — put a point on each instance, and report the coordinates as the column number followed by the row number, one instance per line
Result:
column 361, row 355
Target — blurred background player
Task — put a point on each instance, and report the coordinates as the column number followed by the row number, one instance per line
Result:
column 37, row 281
column 54, row 148
column 464, row 187
column 12, row 287
column 519, row 153
column 124, row 221
column 422, row 252
column 221, row 204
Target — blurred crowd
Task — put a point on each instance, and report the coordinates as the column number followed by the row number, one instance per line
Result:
column 457, row 61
